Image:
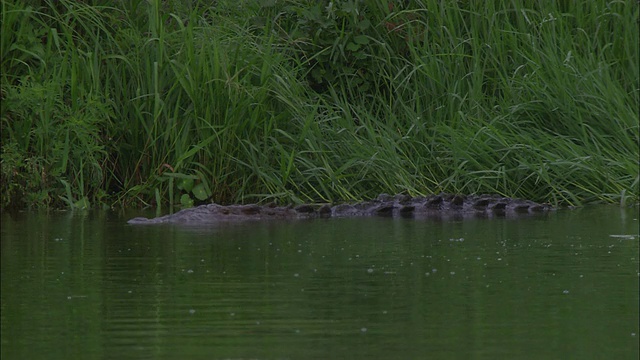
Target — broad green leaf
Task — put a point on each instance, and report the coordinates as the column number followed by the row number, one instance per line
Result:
column 185, row 184
column 200, row 192
column 82, row 204
column 186, row 201
column 361, row 39
column 364, row 24
column 353, row 47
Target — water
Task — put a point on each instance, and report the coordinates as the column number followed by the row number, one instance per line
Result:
column 89, row 286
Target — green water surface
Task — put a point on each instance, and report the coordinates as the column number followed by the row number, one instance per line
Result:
column 89, row 286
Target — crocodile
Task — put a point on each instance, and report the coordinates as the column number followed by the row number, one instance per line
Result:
column 432, row 206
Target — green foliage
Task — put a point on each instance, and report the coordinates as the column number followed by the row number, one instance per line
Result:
column 189, row 187
column 317, row 101
column 54, row 120
column 332, row 39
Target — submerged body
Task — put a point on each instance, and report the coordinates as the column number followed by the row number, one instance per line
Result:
column 438, row 206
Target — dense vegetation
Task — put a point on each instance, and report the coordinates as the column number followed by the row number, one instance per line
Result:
column 126, row 103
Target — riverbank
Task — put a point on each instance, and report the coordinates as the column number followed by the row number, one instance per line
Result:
column 150, row 103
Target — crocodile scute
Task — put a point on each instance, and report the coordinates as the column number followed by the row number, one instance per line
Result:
column 432, row 206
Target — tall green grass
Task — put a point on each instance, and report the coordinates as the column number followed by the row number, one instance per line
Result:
column 166, row 101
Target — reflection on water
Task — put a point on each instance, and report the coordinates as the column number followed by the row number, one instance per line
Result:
column 563, row 285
